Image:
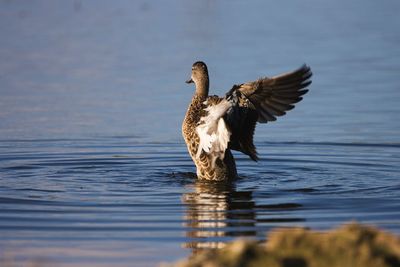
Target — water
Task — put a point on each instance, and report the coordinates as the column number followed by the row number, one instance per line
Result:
column 93, row 170
column 116, row 201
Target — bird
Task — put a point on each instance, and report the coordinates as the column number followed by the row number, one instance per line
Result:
column 214, row 125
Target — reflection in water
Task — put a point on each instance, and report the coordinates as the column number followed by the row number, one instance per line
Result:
column 217, row 210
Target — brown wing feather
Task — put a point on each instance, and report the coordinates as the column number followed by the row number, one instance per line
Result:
column 242, row 121
column 272, row 97
column 262, row 100
column 242, row 140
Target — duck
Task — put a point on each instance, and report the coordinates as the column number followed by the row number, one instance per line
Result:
column 213, row 126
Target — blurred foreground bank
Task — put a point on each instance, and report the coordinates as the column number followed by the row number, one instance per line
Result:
column 352, row 245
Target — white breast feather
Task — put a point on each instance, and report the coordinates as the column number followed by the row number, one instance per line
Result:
column 213, row 133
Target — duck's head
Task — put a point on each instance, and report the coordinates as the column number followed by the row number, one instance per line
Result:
column 199, row 73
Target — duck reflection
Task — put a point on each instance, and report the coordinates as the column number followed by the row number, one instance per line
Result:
column 216, row 211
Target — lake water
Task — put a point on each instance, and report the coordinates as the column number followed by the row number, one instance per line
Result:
column 93, row 169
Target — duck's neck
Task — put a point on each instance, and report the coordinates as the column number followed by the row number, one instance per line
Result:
column 202, row 88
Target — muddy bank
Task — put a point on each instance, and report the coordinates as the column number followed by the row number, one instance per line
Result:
column 352, row 245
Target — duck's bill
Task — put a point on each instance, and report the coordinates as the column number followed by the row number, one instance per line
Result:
column 189, row 81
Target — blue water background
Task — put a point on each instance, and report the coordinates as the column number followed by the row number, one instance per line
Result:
column 93, row 169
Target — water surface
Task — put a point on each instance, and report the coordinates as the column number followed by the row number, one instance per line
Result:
column 116, row 201
column 93, row 169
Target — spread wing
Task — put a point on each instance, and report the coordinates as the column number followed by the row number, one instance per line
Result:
column 262, row 100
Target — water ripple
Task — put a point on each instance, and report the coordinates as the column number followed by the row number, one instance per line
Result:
column 106, row 190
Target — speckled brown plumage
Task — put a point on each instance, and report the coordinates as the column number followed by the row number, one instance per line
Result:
column 243, row 106
column 224, row 169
